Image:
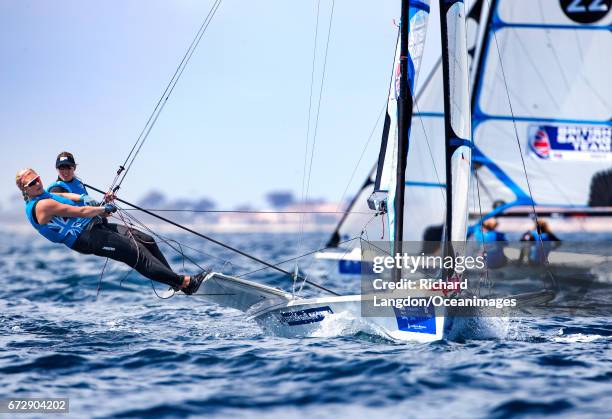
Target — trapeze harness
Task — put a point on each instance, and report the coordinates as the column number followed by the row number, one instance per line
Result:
column 95, row 236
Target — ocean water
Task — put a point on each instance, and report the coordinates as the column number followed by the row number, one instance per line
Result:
column 124, row 352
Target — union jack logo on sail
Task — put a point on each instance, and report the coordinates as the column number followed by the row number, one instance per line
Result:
column 540, row 144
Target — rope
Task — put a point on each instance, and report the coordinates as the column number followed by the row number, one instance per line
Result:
column 518, row 143
column 217, row 242
column 161, row 103
column 248, row 211
column 316, row 125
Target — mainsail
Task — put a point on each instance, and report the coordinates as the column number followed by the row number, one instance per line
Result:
column 426, row 177
column 390, row 175
column 457, row 121
column 542, row 98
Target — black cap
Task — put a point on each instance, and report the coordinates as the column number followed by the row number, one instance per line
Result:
column 65, row 161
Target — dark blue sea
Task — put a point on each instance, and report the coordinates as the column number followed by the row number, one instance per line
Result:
column 124, row 352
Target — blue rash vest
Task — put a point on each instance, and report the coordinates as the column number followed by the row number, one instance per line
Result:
column 539, row 251
column 59, row 229
column 494, row 243
column 74, row 186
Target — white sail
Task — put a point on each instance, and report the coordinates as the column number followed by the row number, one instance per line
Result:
column 553, row 61
column 385, row 181
column 425, row 205
column 457, row 115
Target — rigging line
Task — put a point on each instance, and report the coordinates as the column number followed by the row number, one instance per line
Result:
column 482, row 184
column 316, row 126
column 488, row 279
column 416, row 106
column 553, row 282
column 552, row 49
column 312, row 73
column 295, row 258
column 164, row 98
column 161, row 239
column 210, row 239
column 365, row 147
column 249, row 211
column 165, row 240
column 543, row 79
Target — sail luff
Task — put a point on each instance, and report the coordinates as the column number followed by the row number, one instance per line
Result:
column 457, row 116
column 388, row 196
column 404, row 109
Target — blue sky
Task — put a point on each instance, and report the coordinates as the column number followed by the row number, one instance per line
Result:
column 84, row 77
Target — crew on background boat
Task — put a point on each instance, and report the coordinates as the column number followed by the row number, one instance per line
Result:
column 541, row 241
column 493, row 242
column 81, row 228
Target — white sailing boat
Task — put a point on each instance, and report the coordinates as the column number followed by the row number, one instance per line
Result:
column 288, row 315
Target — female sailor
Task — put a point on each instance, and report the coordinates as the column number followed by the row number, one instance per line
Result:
column 83, row 229
column 66, row 181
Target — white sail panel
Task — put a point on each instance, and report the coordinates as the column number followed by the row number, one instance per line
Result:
column 549, row 12
column 387, row 166
column 550, row 73
column 458, row 71
column 457, row 104
column 556, row 73
column 416, row 42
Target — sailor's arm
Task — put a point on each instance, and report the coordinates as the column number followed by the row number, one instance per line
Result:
column 69, row 195
column 48, row 208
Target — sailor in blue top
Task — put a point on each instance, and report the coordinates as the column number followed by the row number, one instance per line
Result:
column 493, row 242
column 67, row 182
column 541, row 241
column 82, row 229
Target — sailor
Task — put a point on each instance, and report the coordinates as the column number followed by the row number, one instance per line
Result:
column 541, row 241
column 60, row 220
column 494, row 243
column 66, row 181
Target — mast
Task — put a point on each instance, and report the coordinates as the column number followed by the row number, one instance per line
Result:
column 404, row 104
column 457, row 118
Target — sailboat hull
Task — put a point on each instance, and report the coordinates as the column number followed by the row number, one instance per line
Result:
column 283, row 315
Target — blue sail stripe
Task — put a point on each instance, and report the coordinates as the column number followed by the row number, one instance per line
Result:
column 429, row 114
column 500, row 25
column 481, row 117
column 425, row 184
column 461, row 142
column 419, row 5
column 479, row 157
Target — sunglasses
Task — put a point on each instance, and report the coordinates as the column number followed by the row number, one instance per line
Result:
column 32, row 182
column 64, row 166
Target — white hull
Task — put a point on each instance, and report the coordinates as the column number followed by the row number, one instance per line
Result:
column 283, row 315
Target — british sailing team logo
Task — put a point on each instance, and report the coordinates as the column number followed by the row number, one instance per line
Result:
column 571, row 142
column 540, row 144
column 585, row 11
